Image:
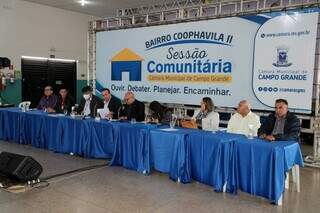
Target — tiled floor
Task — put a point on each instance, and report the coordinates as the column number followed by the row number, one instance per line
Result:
column 115, row 189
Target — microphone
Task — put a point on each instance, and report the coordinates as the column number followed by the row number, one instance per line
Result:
column 120, row 110
column 94, row 110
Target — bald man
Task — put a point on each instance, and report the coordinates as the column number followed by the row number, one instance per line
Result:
column 132, row 108
column 241, row 121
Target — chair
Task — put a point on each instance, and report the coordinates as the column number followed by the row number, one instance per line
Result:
column 295, row 179
column 24, row 105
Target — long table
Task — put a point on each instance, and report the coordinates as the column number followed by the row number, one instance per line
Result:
column 224, row 161
column 58, row 133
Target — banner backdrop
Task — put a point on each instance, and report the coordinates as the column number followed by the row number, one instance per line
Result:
column 259, row 58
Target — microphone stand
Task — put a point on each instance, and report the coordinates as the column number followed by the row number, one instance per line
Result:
column 120, row 109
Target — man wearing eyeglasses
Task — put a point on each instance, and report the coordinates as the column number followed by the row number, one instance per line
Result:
column 49, row 101
column 132, row 109
column 89, row 103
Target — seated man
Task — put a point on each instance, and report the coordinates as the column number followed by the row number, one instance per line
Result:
column 240, row 121
column 132, row 109
column 281, row 125
column 49, row 101
column 111, row 105
column 89, row 103
column 65, row 102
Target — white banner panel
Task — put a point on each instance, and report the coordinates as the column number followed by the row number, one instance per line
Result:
column 284, row 60
column 227, row 59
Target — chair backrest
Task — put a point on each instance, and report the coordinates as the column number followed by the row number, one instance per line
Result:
column 24, row 104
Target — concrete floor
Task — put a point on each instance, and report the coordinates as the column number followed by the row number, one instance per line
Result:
column 115, row 189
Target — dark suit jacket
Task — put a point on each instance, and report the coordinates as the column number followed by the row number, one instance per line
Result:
column 114, row 106
column 291, row 129
column 69, row 102
column 96, row 103
column 134, row 110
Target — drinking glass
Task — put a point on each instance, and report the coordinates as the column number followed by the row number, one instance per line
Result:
column 251, row 131
column 173, row 121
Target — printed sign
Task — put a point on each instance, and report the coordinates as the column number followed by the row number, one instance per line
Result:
column 258, row 58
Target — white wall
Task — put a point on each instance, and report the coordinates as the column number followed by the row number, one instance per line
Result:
column 34, row 30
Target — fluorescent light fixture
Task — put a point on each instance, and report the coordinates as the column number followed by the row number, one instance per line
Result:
column 83, row 2
column 35, row 58
column 50, row 59
column 59, row 59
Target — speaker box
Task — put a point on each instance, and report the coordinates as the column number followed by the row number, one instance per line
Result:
column 18, row 167
column 4, row 62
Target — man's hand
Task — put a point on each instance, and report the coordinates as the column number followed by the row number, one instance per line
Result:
column 263, row 136
column 123, row 118
column 50, row 110
column 270, row 138
column 155, row 120
column 109, row 115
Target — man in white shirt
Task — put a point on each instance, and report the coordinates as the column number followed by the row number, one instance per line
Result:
column 86, row 109
column 89, row 103
column 244, row 120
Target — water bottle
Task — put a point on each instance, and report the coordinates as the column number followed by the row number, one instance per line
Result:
column 211, row 126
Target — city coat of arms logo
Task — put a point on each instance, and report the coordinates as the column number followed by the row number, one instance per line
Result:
column 282, row 57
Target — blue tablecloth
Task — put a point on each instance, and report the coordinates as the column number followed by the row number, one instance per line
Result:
column 170, row 153
column 254, row 166
column 51, row 139
column 190, row 153
column 57, row 133
column 74, row 135
column 10, row 125
column 132, row 146
column 32, row 128
column 24, row 127
column 210, row 157
column 259, row 167
column 101, row 139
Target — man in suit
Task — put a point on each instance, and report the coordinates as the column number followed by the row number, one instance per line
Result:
column 111, row 105
column 89, row 103
column 65, row 102
column 281, row 125
column 132, row 109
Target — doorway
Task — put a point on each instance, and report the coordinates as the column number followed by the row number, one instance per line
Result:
column 39, row 72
